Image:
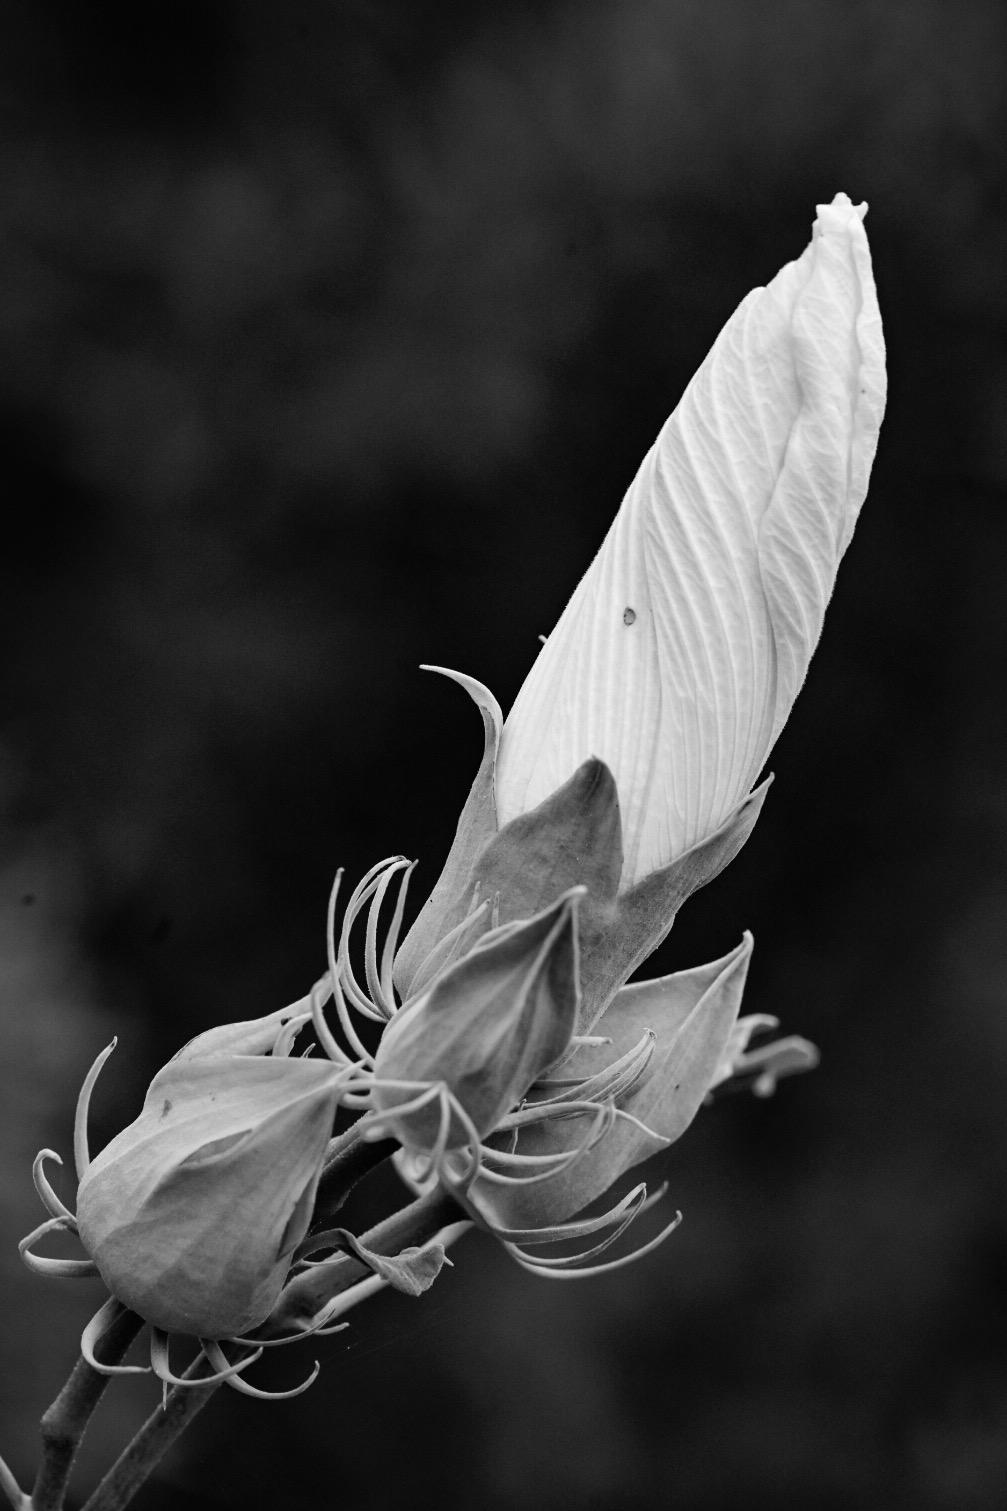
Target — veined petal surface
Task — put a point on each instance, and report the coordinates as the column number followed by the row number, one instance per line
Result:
column 680, row 654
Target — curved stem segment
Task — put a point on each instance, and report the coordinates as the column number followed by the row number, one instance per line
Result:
column 12, row 1490
column 156, row 1435
column 348, row 1159
column 413, row 1225
column 65, row 1422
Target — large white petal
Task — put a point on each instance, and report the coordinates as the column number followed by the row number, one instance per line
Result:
column 682, row 649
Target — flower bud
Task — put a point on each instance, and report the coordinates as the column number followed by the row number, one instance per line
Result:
column 191, row 1213
column 676, row 1029
column 680, row 654
column 487, row 1027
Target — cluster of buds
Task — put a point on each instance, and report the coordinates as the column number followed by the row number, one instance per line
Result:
column 507, row 1058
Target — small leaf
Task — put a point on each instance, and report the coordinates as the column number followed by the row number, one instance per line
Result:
column 412, row 1271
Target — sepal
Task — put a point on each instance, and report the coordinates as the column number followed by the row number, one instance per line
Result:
column 691, row 1015
column 573, row 838
column 647, row 911
column 192, row 1212
column 485, row 1030
column 447, row 904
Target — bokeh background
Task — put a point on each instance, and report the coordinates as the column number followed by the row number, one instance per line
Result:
column 330, row 336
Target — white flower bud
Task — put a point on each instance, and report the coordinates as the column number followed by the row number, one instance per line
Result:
column 682, row 650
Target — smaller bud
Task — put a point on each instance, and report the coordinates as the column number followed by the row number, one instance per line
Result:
column 191, row 1214
column 670, row 1034
column 485, row 1030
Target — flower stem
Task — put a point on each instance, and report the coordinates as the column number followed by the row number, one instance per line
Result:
column 10, row 1487
column 348, row 1159
column 157, row 1434
column 64, row 1423
column 413, row 1225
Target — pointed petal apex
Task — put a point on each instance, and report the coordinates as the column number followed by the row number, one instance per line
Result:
column 572, row 839
column 691, row 1014
column 447, row 904
column 644, row 915
column 683, row 647
column 484, row 1031
column 192, row 1211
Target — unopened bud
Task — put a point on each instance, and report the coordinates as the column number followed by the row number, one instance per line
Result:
column 483, row 1032
column 192, row 1212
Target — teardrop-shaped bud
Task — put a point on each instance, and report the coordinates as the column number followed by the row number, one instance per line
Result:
column 682, row 650
column 192, row 1212
column 484, row 1031
column 690, row 1016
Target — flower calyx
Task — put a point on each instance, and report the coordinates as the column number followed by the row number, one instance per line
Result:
column 456, row 1058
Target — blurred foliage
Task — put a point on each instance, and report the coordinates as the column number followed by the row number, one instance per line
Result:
column 330, row 335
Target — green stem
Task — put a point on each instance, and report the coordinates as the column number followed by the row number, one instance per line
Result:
column 65, row 1422
column 10, row 1487
column 305, row 1295
column 156, row 1435
column 348, row 1159
column 413, row 1225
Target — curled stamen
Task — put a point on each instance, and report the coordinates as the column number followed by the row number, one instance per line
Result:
column 557, row 1163
column 568, row 1261
column 364, row 890
column 323, row 1324
column 392, row 938
column 320, row 993
column 580, row 1227
column 429, row 1166
column 444, row 1129
column 50, row 1200
column 615, row 1081
column 375, row 985
column 443, row 951
column 82, row 1157
column 59, row 1269
column 161, row 1363
column 538, row 1268
column 216, row 1356
column 334, row 982
column 96, row 1329
column 380, row 1126
column 316, row 1326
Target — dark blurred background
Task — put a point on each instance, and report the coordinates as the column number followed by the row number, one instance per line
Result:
column 330, row 337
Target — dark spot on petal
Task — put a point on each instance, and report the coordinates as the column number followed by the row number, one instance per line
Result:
column 629, row 617
column 167, row 1107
